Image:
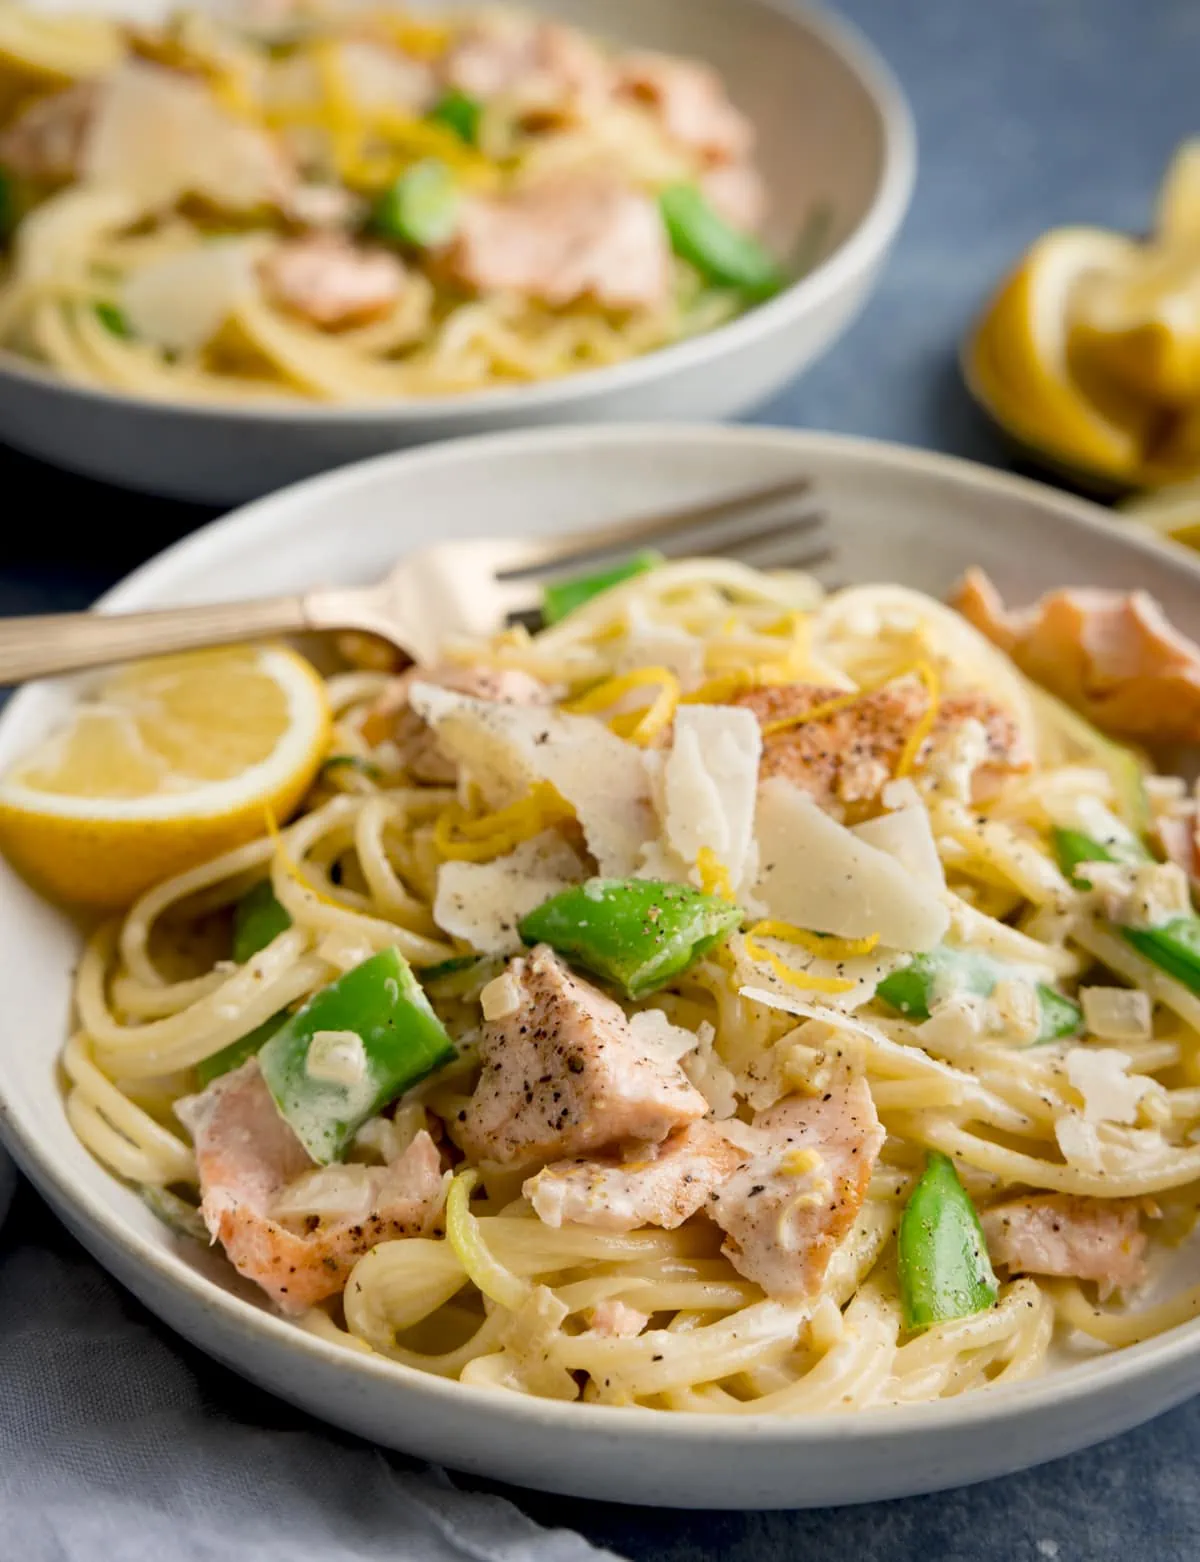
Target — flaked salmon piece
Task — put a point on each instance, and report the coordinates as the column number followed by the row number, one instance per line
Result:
column 792, row 1200
column 391, row 715
column 847, row 756
column 652, row 1185
column 1112, row 655
column 330, row 282
column 616, row 1320
column 691, row 103
column 736, row 192
column 564, row 1074
column 563, row 238
column 536, row 65
column 247, row 1156
column 1072, row 1237
column 46, row 140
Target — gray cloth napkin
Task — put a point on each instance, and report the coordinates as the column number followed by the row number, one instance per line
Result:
column 114, row 1446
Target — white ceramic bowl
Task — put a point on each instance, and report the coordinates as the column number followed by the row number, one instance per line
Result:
column 834, row 131
column 897, row 515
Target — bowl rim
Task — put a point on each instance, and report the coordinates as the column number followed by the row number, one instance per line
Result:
column 867, row 242
column 1000, row 1406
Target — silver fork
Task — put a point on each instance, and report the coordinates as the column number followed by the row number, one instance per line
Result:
column 467, row 587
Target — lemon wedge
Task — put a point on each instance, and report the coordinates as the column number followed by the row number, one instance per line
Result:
column 166, row 764
column 1177, row 218
column 1025, row 366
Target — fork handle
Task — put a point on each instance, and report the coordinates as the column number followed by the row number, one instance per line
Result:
column 42, row 645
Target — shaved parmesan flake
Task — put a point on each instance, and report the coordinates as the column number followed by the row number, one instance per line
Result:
column 158, row 135
column 791, row 1002
column 180, row 303
column 907, row 836
column 482, row 902
column 709, row 785
column 1109, row 1094
column 657, row 1034
column 817, row 874
column 506, row 748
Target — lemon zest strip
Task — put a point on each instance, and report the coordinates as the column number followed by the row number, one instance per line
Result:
column 825, row 948
column 641, row 726
column 459, row 838
column 787, row 973
column 714, row 875
column 817, row 713
column 924, row 726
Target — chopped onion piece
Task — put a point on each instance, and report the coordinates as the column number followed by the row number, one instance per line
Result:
column 501, row 997
column 1117, row 1013
column 336, row 1057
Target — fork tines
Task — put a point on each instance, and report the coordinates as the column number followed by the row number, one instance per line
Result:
column 769, row 527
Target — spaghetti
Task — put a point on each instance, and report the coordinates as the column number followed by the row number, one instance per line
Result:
column 667, row 1317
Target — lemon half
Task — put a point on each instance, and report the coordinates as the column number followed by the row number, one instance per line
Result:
column 165, row 764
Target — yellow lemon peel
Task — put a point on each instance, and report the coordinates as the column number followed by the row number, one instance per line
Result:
column 641, row 726
column 787, row 973
column 826, row 948
column 714, row 875
column 926, row 672
column 460, row 838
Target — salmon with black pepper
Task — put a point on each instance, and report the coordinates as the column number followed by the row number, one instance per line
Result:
column 247, row 1156
column 1068, row 1236
column 792, row 1200
column 846, row 756
column 650, row 1185
column 564, row 1074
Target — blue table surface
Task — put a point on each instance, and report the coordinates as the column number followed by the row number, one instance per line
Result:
column 1030, row 113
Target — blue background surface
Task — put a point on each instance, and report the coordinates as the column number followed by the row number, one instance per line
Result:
column 1030, row 113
